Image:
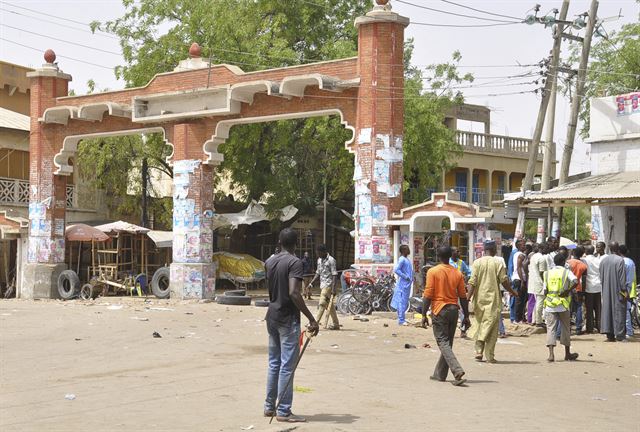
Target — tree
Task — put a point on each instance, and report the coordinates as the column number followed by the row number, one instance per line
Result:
column 614, row 65
column 286, row 162
column 567, row 227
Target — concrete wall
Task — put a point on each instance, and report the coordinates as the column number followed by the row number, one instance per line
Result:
column 608, row 121
column 612, row 223
column 615, row 156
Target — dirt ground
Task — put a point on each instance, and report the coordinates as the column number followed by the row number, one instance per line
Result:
column 207, row 373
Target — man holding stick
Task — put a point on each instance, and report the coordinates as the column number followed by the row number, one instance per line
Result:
column 284, row 280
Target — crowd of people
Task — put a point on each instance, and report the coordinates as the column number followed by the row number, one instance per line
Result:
column 544, row 285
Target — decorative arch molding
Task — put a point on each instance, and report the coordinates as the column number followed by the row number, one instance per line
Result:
column 210, row 147
column 70, row 146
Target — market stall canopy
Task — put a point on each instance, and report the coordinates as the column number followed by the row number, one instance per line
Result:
column 241, row 268
column 122, row 226
column 84, row 233
column 252, row 214
column 162, row 239
column 569, row 244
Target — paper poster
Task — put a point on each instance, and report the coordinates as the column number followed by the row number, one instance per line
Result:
column 398, row 142
column 185, row 166
column 362, row 188
column 380, row 249
column 364, row 205
column 391, row 154
column 58, row 227
column 394, row 190
column 192, row 246
column 596, row 223
column 364, row 137
column 365, row 225
column 381, row 171
column 379, row 214
column 365, row 249
column 481, row 232
column 404, row 238
column 384, row 139
column 179, row 247
column 57, row 250
column 36, row 210
column 180, row 192
column 181, row 180
column 478, row 250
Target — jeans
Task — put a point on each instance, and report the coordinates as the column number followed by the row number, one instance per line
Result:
column 578, row 309
column 629, row 323
column 444, row 331
column 521, row 300
column 284, row 348
column 512, row 300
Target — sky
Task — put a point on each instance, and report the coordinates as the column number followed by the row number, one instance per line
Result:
column 489, row 53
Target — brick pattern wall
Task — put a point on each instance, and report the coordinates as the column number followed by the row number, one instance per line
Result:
column 379, row 139
column 47, row 193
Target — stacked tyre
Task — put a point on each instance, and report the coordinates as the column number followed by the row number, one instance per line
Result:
column 234, row 298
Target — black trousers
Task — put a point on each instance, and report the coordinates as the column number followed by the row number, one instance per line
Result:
column 521, row 300
column 594, row 307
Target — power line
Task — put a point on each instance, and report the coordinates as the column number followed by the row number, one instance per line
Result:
column 463, row 25
column 480, row 10
column 61, row 40
column 61, row 56
column 50, row 15
column 67, row 26
column 453, row 13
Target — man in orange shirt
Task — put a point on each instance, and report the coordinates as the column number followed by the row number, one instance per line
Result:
column 579, row 269
column 443, row 290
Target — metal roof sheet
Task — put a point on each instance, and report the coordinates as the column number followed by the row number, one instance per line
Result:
column 616, row 186
column 14, row 120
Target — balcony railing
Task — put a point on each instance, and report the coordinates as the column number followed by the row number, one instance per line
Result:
column 498, row 195
column 478, row 196
column 462, row 191
column 16, row 191
column 495, row 143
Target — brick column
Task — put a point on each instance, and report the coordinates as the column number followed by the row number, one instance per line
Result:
column 47, row 192
column 192, row 270
column 378, row 173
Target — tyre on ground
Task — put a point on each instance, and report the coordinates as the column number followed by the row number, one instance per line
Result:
column 160, row 283
column 234, row 300
column 68, row 284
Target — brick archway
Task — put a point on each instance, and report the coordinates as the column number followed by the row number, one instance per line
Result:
column 195, row 106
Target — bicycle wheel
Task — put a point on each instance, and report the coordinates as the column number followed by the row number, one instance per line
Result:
column 358, row 308
column 362, row 290
column 342, row 305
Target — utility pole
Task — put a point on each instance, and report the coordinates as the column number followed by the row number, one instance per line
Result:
column 145, row 182
column 544, row 103
column 578, row 95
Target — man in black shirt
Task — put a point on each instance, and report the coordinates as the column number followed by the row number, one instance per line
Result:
column 284, row 279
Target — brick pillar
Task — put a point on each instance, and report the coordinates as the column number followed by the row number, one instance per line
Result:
column 47, row 192
column 378, row 173
column 192, row 270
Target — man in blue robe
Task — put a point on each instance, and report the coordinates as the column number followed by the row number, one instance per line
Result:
column 404, row 271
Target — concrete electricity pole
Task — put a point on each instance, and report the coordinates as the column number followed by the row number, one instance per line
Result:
column 544, row 103
column 579, row 92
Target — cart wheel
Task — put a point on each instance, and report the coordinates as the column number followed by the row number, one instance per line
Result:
column 86, row 292
column 68, row 284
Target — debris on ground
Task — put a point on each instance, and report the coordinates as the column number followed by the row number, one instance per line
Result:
column 600, row 398
column 69, row 396
column 115, row 307
column 77, row 339
column 156, row 334
column 188, row 313
column 160, row 309
column 248, row 427
column 385, row 325
column 409, row 346
column 426, row 345
column 335, row 346
column 140, row 319
column 505, row 342
column 301, row 389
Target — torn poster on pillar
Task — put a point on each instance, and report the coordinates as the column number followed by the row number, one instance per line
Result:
column 179, row 241
column 357, row 171
column 57, row 250
column 380, row 249
column 364, row 137
column 41, row 227
column 381, row 171
column 184, row 215
column 180, row 192
column 37, row 210
column 383, row 139
column 192, row 246
column 365, row 249
column 391, row 154
column 365, row 225
column 380, row 213
column 181, row 180
column 193, row 283
column 186, row 166
column 364, row 205
column 362, row 188
column 394, row 190
column 398, row 142
column 58, row 227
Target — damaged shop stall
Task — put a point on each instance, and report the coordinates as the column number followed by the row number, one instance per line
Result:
column 443, row 220
column 13, row 246
column 119, row 265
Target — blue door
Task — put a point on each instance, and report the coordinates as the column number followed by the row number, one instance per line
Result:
column 461, row 184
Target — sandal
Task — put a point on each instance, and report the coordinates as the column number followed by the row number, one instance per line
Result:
column 458, row 381
column 571, row 357
column 291, row 418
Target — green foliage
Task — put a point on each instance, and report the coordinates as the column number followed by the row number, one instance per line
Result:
column 614, row 66
column 287, row 162
column 114, row 166
column 568, row 223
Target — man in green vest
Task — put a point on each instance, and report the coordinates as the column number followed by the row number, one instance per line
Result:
column 558, row 284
